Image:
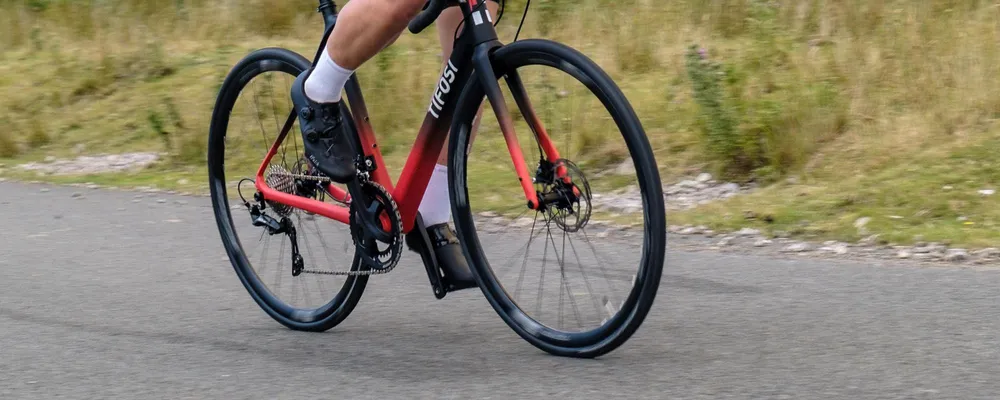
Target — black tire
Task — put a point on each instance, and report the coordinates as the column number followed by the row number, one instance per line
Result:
column 314, row 319
column 617, row 329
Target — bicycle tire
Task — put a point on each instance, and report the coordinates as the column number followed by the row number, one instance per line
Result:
column 313, row 320
column 618, row 329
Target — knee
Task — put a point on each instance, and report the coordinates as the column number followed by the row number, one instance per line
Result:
column 405, row 10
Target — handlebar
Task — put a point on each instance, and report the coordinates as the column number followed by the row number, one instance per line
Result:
column 431, row 11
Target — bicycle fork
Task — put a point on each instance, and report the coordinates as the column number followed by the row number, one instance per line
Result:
column 487, row 78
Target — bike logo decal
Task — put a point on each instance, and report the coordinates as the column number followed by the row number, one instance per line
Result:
column 444, row 87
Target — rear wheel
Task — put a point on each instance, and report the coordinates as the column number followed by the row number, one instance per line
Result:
column 252, row 106
column 578, row 277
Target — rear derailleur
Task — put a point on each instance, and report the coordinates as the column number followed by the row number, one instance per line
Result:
column 277, row 227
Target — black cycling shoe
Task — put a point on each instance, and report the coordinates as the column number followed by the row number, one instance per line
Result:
column 448, row 252
column 323, row 134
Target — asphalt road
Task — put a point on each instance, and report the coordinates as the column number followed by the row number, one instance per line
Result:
column 108, row 296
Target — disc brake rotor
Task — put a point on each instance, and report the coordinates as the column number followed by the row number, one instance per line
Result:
column 572, row 212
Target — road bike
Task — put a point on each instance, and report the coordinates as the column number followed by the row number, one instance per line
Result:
column 283, row 198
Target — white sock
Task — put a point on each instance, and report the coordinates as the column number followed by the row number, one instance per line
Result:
column 435, row 208
column 327, row 80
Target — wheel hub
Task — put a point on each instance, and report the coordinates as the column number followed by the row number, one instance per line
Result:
column 566, row 196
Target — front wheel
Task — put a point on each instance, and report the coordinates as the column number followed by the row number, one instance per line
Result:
column 588, row 270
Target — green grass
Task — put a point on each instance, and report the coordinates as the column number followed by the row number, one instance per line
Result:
column 932, row 195
column 872, row 106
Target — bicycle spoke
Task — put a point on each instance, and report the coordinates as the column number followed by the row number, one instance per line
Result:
column 562, row 285
column 324, row 241
column 506, row 231
column 525, row 249
column 256, row 110
column 304, row 243
column 524, row 264
column 256, row 104
column 281, row 254
column 243, row 128
column 295, row 140
column 263, row 254
column 326, row 250
column 565, row 283
column 600, row 262
column 510, row 221
column 274, row 109
column 541, row 280
column 274, row 115
column 586, row 280
column 572, row 301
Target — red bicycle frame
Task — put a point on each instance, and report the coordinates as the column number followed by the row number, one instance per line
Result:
column 472, row 53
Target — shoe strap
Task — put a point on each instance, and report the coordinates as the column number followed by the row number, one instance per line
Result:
column 442, row 235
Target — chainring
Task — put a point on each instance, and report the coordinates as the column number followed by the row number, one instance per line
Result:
column 380, row 256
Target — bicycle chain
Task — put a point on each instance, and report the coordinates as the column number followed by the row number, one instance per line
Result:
column 368, row 272
column 304, row 176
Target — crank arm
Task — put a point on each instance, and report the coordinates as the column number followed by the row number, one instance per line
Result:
column 366, row 217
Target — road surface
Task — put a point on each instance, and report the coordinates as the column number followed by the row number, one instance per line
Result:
column 106, row 296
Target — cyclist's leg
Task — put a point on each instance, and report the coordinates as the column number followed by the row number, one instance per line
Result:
column 435, row 207
column 364, row 27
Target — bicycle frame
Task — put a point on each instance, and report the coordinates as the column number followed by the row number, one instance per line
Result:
column 471, row 59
